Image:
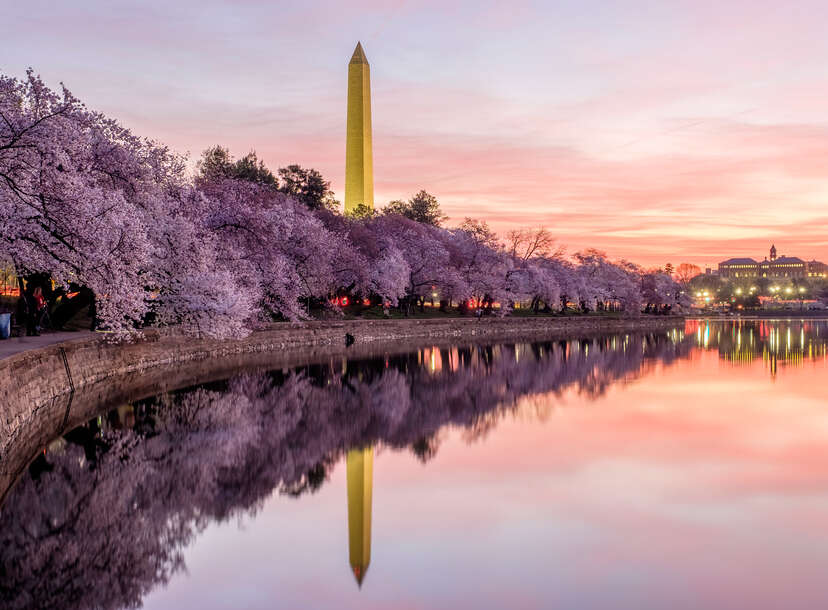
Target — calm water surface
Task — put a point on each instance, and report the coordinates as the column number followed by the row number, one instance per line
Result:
column 676, row 470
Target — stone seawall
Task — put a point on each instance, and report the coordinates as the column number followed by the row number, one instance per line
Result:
column 45, row 391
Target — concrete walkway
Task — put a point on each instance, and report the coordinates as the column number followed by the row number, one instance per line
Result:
column 15, row 345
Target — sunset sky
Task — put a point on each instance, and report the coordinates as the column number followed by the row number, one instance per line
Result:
column 681, row 131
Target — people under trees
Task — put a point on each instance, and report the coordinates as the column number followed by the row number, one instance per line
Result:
column 99, row 211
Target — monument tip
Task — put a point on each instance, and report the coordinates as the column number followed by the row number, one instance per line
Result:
column 359, row 55
column 359, row 574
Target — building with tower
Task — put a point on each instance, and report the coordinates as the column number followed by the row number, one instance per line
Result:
column 359, row 160
column 772, row 267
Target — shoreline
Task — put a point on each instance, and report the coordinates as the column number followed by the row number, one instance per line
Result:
column 90, row 359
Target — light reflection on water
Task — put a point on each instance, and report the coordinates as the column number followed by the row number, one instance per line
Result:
column 681, row 470
column 775, row 342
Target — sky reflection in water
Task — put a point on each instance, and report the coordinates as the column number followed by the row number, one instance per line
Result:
column 677, row 470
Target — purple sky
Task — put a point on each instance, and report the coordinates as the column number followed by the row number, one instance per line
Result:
column 681, row 131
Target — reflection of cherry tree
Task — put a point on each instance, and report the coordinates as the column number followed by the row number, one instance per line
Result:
column 104, row 517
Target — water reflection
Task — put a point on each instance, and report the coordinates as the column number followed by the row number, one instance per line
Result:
column 360, row 467
column 105, row 512
column 775, row 342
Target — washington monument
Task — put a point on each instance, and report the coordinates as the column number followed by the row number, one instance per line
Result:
column 359, row 161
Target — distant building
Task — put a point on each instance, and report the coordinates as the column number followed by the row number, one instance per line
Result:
column 817, row 269
column 738, row 267
column 776, row 267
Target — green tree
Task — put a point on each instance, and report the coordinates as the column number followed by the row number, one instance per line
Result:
column 422, row 207
column 362, row 212
column 217, row 162
column 307, row 186
column 252, row 169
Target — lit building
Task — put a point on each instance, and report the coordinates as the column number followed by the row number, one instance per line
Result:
column 772, row 267
column 817, row 269
column 738, row 267
column 359, row 160
column 360, row 473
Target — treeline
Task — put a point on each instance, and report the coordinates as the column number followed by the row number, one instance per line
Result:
column 93, row 207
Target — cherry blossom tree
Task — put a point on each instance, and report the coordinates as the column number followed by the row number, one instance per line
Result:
column 80, row 195
column 368, row 261
column 660, row 293
column 606, row 284
column 422, row 247
column 279, row 251
column 86, row 203
column 530, row 277
column 475, row 253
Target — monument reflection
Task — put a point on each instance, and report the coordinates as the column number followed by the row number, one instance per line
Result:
column 360, row 469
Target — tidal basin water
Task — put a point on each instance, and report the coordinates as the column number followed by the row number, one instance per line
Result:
column 686, row 469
